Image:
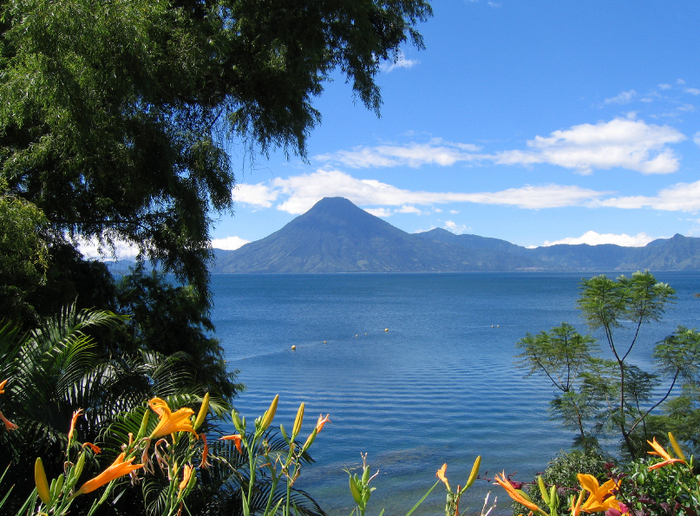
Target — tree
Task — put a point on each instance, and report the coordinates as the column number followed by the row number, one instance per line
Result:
column 116, row 116
column 616, row 395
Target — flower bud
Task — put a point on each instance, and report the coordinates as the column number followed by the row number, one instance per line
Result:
column 474, row 473
column 543, row 489
column 269, row 414
column 42, row 485
column 298, row 421
column 144, row 425
column 676, row 448
column 203, row 411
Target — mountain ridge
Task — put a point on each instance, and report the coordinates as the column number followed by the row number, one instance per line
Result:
column 335, row 236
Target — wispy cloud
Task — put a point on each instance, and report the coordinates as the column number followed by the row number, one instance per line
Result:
column 679, row 197
column 593, row 238
column 624, row 97
column 435, row 152
column 297, row 194
column 621, row 142
column 401, row 62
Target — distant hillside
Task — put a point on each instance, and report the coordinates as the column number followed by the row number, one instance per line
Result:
column 336, row 236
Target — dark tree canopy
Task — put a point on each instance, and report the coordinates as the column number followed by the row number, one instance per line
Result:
column 116, row 116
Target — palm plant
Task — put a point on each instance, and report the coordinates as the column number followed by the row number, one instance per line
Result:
column 58, row 368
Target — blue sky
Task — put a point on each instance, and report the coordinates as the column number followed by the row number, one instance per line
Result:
column 533, row 121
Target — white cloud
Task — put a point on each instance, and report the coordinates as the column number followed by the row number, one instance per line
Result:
column 692, row 91
column 696, row 138
column 678, row 197
column 379, row 212
column 229, row 243
column 624, row 143
column 623, row 98
column 593, row 238
column 457, row 229
column 435, row 152
column 409, row 209
column 299, row 193
column 401, row 62
column 680, row 81
column 254, row 195
column 665, row 86
column 91, row 248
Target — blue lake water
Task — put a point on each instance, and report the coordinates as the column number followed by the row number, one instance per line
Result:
column 439, row 386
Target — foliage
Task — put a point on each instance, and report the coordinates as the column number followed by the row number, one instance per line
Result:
column 169, row 319
column 614, row 397
column 56, row 369
column 116, row 119
column 562, row 472
column 23, row 254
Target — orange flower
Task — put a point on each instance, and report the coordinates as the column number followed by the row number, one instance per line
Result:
column 170, row 422
column 236, row 439
column 119, row 468
column 661, row 452
column 9, row 425
column 2, row 386
column 441, row 475
column 322, row 421
column 76, row 415
column 576, row 504
column 95, row 449
column 515, row 494
column 186, row 475
column 205, row 453
column 601, row 498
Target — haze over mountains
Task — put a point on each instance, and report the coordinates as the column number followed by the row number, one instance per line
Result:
column 336, row 236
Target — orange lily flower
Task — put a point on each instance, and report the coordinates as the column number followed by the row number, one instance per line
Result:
column 186, row 475
column 2, row 386
column 205, row 453
column 9, row 425
column 576, row 504
column 441, row 475
column 235, row 438
column 601, row 497
column 75, row 417
column 322, row 421
column 661, row 452
column 515, row 494
column 170, row 422
column 119, row 468
column 95, row 449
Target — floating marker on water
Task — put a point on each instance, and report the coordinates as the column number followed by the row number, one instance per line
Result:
column 294, row 348
column 386, row 329
column 324, row 341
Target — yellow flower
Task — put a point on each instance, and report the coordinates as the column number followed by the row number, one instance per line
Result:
column 661, row 452
column 75, row 417
column 170, row 422
column 516, row 494
column 119, row 468
column 601, row 497
column 441, row 475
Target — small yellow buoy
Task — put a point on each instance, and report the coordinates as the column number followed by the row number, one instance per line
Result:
column 386, row 329
column 324, row 341
column 294, row 348
column 355, row 335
